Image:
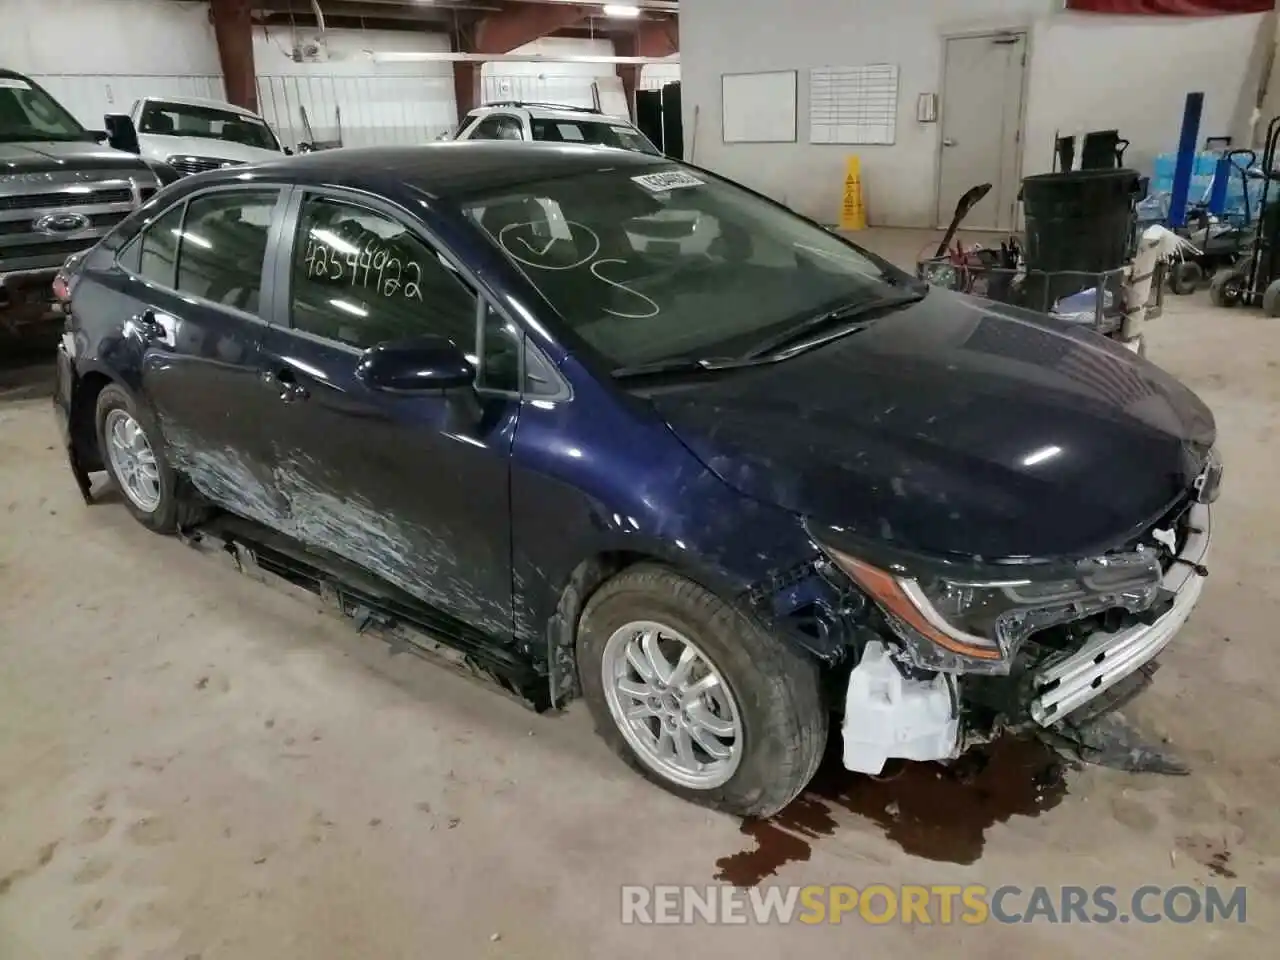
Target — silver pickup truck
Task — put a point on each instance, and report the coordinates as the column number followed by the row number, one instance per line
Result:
column 62, row 187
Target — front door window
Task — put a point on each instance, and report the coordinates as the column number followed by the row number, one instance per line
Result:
column 361, row 278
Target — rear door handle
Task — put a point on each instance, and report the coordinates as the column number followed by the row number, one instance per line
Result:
column 285, row 384
column 148, row 325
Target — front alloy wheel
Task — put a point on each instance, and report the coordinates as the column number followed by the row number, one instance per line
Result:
column 698, row 696
column 672, row 705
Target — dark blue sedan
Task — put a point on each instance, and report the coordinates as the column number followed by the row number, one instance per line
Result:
column 611, row 426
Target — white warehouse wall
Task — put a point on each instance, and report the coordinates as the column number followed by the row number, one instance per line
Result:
column 1134, row 73
column 1095, row 71
column 99, row 56
column 380, row 103
column 568, row 83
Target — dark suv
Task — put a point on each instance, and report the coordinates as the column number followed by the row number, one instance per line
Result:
column 723, row 494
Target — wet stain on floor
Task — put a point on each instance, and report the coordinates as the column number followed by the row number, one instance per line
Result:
column 932, row 811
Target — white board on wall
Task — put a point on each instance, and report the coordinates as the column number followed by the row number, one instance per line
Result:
column 854, row 104
column 758, row 107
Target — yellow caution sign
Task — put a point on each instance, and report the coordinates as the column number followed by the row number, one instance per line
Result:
column 853, row 212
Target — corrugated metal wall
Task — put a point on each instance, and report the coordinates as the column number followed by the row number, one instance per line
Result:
column 374, row 109
column 380, row 103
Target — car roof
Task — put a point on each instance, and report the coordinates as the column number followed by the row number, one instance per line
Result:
column 203, row 102
column 447, row 168
column 550, row 112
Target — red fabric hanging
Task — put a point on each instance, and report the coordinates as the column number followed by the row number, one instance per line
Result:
column 1175, row 8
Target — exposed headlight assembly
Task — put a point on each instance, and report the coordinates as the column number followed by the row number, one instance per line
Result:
column 962, row 624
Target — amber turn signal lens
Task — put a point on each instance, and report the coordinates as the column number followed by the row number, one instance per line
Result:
column 887, row 591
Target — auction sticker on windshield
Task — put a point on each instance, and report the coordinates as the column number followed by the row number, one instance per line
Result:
column 668, row 180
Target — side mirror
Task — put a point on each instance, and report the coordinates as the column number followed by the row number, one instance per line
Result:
column 99, row 136
column 121, row 133
column 421, row 363
column 288, row 151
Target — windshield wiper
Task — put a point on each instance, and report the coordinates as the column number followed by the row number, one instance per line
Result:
column 684, row 365
column 858, row 310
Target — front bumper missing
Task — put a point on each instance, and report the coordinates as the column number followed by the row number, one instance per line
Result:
column 1107, row 658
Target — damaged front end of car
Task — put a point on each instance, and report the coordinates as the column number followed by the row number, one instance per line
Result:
column 947, row 654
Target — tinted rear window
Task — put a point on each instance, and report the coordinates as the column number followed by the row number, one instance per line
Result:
column 599, row 132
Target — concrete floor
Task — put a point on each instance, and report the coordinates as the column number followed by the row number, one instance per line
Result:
column 194, row 765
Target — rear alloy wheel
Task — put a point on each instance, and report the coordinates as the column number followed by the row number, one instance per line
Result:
column 696, row 696
column 133, row 453
column 133, row 461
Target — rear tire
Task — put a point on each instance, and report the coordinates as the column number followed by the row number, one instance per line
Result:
column 1226, row 288
column 1271, row 299
column 133, row 453
column 773, row 700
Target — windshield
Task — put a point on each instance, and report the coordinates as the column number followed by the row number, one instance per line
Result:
column 28, row 113
column 652, row 263
column 603, row 133
column 189, row 120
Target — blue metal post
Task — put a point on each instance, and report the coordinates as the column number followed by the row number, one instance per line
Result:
column 1221, row 178
column 1186, row 159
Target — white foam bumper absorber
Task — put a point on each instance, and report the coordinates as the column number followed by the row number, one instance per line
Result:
column 887, row 715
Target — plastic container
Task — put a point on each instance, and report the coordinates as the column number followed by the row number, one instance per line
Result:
column 887, row 715
column 1079, row 222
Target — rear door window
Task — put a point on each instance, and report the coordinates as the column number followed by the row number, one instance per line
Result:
column 158, row 247
column 153, row 252
column 224, row 244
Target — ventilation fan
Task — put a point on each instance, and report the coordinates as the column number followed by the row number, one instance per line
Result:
column 310, row 50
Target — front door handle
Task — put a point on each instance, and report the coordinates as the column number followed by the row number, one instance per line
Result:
column 286, row 385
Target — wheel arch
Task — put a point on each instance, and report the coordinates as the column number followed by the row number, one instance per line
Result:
column 84, row 402
column 594, row 571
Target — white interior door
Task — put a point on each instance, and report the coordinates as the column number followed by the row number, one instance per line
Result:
column 980, row 127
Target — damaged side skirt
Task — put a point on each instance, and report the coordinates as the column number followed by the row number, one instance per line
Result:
column 406, row 624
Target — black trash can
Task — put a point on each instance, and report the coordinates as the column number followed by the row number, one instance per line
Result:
column 1084, row 222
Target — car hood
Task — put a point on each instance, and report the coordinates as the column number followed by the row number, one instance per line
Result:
column 955, row 427
column 56, row 157
column 160, row 146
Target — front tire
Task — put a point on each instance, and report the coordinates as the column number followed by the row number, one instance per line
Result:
column 696, row 697
column 133, row 452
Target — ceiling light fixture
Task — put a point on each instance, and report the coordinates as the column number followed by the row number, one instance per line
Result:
column 621, row 10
